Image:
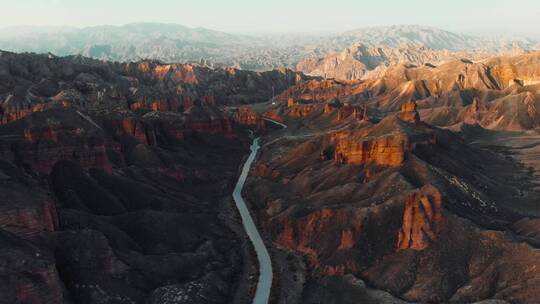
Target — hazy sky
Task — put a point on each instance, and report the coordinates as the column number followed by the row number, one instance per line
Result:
column 279, row 15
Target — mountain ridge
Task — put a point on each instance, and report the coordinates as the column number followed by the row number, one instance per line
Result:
column 179, row 43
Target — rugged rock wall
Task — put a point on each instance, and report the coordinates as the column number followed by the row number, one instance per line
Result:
column 422, row 219
column 498, row 93
column 386, row 151
column 360, row 61
column 34, row 83
column 113, row 176
column 248, row 116
column 404, row 208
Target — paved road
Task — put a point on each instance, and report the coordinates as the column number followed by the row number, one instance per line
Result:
column 264, row 284
column 284, row 126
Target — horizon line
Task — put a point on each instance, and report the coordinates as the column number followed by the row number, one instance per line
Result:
column 470, row 31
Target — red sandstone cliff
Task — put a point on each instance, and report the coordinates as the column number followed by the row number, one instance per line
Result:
column 422, row 219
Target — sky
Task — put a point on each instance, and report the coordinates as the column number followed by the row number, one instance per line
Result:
column 247, row 16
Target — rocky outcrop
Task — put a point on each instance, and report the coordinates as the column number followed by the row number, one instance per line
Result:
column 12, row 110
column 28, row 215
column 360, row 61
column 208, row 120
column 345, row 111
column 111, row 174
column 514, row 112
column 45, row 141
column 143, row 86
column 361, row 113
column 476, row 76
column 105, row 214
column 42, row 156
column 385, row 151
column 248, row 116
column 160, row 105
column 104, row 140
column 321, row 90
column 290, row 102
column 308, row 236
column 25, row 210
column 422, row 219
column 409, row 113
column 302, row 110
column 444, row 93
column 330, row 107
column 136, row 128
column 428, row 214
column 390, row 149
column 413, row 226
column 357, row 112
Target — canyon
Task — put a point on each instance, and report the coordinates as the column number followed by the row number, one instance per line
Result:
column 415, row 184
column 116, row 180
column 425, row 195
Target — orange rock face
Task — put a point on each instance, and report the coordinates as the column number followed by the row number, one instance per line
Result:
column 347, row 240
column 422, row 219
column 328, row 108
column 387, row 151
column 361, row 113
column 409, row 113
column 248, row 116
column 137, row 129
column 345, row 111
column 475, row 112
column 322, row 90
column 356, row 111
column 12, row 110
column 386, row 144
column 301, row 110
column 304, row 235
column 290, row 102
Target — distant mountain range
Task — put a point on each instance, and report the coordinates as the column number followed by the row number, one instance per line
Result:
column 362, row 61
column 177, row 43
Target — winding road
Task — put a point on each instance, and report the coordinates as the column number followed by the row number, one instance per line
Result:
column 284, row 126
column 264, row 284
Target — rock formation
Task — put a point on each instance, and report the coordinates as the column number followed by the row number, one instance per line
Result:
column 248, row 116
column 389, row 149
column 363, row 61
column 149, row 85
column 409, row 113
column 422, row 219
column 361, row 113
column 113, row 178
column 110, row 171
column 406, row 206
